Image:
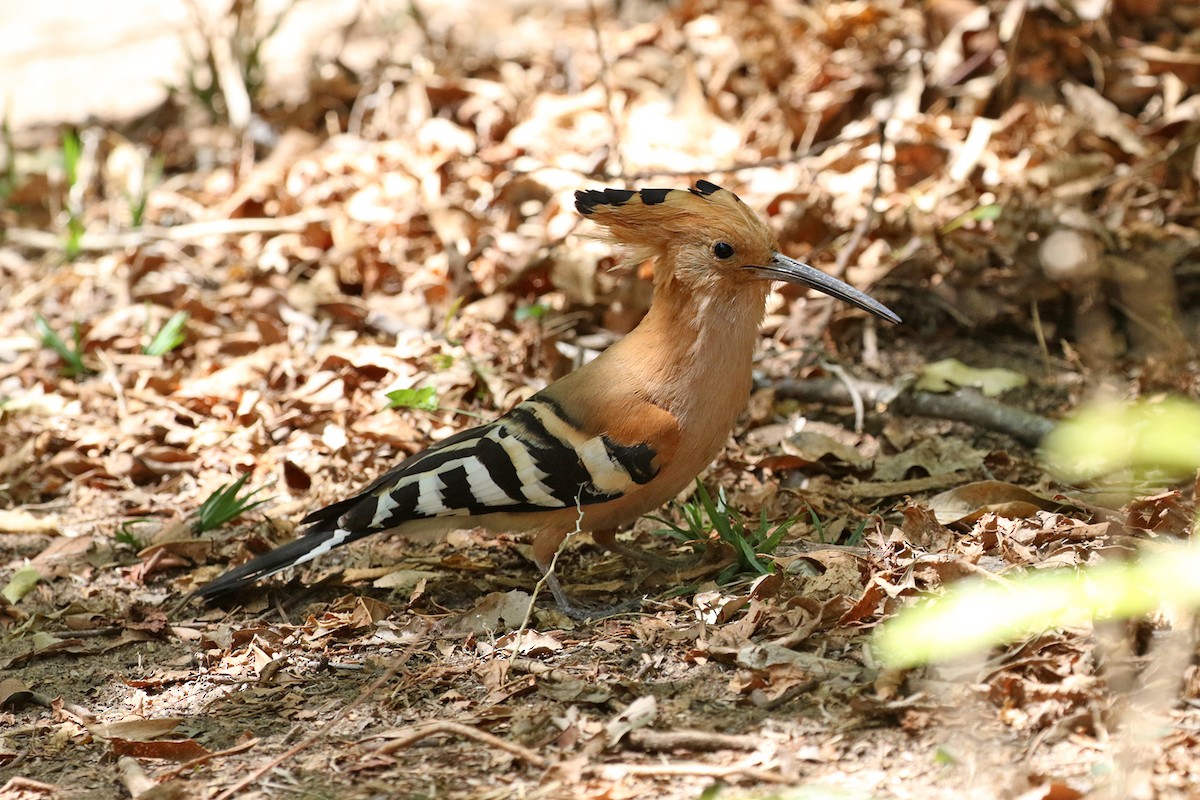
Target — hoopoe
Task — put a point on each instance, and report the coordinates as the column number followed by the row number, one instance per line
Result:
column 621, row 435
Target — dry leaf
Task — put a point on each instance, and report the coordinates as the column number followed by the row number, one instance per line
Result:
column 970, row 502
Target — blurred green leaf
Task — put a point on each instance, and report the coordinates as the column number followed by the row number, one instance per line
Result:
column 424, row 399
column 534, row 311
column 1162, row 434
column 977, row 614
column 172, row 334
column 1157, row 434
column 20, row 584
column 138, row 195
column 950, row 373
column 72, row 150
column 8, row 151
column 72, row 356
column 991, row 211
column 126, row 534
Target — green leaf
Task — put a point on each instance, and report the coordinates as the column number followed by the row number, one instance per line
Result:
column 988, row 212
column 126, row 535
column 224, row 505
column 1161, row 434
column 424, row 399
column 70, row 355
column 138, row 196
column 704, row 514
column 8, row 167
column 72, row 149
column 769, row 544
column 20, row 584
column 533, row 311
column 950, row 373
column 944, row 757
column 860, row 533
column 74, row 243
column 169, row 336
column 975, row 614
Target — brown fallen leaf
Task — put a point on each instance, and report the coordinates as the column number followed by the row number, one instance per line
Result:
column 41, row 648
column 1051, row 791
column 14, row 692
column 528, row 643
column 135, row 730
column 968, row 503
column 178, row 750
column 921, row 528
column 496, row 610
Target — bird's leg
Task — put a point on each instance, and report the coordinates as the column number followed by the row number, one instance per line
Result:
column 583, row 613
column 608, row 540
column 545, row 554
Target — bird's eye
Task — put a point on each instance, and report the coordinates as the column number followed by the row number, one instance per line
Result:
column 722, row 250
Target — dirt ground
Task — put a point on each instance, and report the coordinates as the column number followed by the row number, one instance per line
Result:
column 375, row 247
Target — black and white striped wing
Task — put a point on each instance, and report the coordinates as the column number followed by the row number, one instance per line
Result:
column 535, row 458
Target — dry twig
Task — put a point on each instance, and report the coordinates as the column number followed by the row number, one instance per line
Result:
column 747, row 768
column 457, row 729
column 684, row 739
column 963, row 405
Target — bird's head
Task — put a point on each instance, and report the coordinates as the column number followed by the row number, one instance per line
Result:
column 708, row 240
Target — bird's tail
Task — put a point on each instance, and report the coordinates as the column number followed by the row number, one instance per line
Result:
column 309, row 546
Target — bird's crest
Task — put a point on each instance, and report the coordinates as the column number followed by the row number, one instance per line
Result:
column 650, row 220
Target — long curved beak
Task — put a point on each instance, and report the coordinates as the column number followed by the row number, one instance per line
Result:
column 782, row 268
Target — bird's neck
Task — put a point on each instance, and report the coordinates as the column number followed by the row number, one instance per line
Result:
column 694, row 350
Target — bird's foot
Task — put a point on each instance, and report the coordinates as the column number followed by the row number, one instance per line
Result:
column 592, row 614
column 586, row 613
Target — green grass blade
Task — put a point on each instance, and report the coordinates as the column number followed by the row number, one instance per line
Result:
column 771, row 542
column 224, row 505
column 70, row 356
column 169, row 336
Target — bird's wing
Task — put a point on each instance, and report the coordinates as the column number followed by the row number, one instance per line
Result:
column 535, row 458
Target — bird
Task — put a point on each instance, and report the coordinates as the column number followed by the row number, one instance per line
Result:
column 621, row 435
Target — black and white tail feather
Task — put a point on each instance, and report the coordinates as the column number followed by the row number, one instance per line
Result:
column 535, row 458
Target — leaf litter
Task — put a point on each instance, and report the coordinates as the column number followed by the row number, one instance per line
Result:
column 294, row 323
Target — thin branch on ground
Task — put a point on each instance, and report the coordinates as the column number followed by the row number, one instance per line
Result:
column 964, row 405
column 868, row 218
column 195, row 762
column 684, row 739
column 748, row 769
column 457, row 729
column 856, row 399
column 28, row 784
column 134, row 778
